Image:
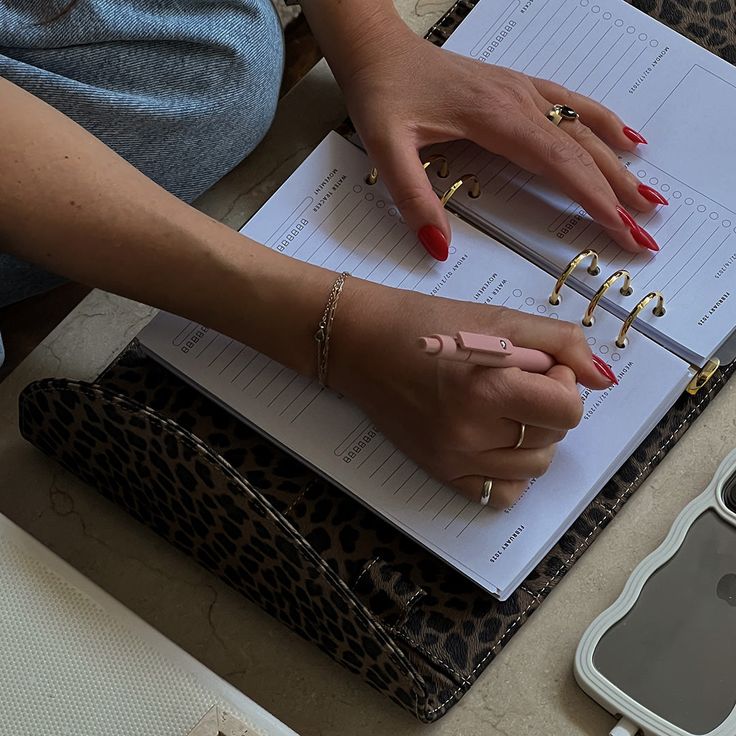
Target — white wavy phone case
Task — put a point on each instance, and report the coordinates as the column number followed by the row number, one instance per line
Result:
column 663, row 656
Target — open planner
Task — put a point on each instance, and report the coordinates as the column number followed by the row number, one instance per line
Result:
column 509, row 247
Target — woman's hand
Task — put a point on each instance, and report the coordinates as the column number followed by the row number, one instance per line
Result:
column 407, row 93
column 457, row 421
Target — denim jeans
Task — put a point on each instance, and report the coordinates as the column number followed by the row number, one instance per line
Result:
column 182, row 89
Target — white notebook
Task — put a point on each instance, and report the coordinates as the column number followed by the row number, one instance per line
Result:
column 326, row 214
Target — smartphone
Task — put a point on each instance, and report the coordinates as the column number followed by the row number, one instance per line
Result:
column 663, row 656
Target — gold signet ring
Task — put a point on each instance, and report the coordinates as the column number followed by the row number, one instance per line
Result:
column 558, row 113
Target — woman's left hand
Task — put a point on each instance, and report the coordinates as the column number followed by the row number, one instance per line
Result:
column 405, row 94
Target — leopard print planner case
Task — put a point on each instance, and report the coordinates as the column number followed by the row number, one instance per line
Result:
column 303, row 550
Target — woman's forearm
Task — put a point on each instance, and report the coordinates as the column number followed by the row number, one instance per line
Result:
column 71, row 205
column 350, row 32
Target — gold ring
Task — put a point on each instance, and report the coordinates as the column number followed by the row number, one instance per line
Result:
column 558, row 113
column 485, row 496
column 522, row 432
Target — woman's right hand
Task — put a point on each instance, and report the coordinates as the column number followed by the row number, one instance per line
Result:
column 459, row 422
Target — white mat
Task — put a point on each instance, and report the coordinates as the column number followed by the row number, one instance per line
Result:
column 75, row 662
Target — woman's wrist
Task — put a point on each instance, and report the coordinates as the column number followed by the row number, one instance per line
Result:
column 369, row 331
column 282, row 300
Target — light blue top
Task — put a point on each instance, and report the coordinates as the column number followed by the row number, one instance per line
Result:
column 183, row 89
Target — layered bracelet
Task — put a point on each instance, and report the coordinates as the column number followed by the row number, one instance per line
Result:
column 324, row 329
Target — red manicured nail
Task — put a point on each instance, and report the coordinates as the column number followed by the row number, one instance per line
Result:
column 633, row 135
column 644, row 239
column 652, row 195
column 605, row 369
column 627, row 219
column 434, row 241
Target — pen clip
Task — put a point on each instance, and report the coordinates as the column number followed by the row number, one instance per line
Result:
column 484, row 343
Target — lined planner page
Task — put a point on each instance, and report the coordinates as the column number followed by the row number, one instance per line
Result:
column 682, row 99
column 326, row 214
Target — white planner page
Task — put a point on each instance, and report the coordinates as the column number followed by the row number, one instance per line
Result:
column 679, row 96
column 326, row 214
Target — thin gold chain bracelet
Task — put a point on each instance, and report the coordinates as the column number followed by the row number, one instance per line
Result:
column 324, row 329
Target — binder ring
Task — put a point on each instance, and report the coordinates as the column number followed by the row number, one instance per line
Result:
column 593, row 270
column 464, row 179
column 625, row 290
column 658, row 311
column 444, row 168
column 443, row 173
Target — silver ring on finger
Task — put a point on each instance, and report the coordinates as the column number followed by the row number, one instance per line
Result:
column 522, row 432
column 558, row 113
column 485, row 495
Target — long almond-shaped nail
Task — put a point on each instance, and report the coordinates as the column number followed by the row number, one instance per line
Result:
column 641, row 236
column 644, row 239
column 434, row 242
column 604, row 369
column 634, row 135
column 652, row 195
column 627, row 219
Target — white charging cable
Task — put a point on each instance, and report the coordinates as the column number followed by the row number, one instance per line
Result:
column 624, row 728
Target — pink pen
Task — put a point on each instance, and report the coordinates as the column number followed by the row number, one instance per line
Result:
column 494, row 352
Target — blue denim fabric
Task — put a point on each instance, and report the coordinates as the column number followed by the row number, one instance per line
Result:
column 184, row 90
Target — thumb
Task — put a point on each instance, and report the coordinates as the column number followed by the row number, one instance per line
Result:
column 563, row 340
column 402, row 172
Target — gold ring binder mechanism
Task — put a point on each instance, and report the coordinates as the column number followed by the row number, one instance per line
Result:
column 701, row 375
column 625, row 290
column 593, row 270
column 443, row 170
column 658, row 311
column 471, row 179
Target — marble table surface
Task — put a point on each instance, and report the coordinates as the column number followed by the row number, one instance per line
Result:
column 529, row 689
